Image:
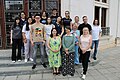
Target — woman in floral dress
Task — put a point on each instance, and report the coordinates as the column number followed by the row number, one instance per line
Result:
column 54, row 45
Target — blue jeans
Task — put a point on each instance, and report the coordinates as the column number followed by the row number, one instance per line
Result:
column 42, row 54
column 76, row 59
column 95, row 46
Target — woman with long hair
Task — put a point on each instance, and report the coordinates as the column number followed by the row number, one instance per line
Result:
column 59, row 26
column 16, row 39
column 96, row 34
column 26, row 39
column 44, row 17
column 48, row 28
column 67, row 21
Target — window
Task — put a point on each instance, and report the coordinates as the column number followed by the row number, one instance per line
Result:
column 13, row 4
column 101, row 13
column 103, row 17
column 97, row 12
column 10, row 16
column 104, row 1
column 35, row 5
column 50, row 4
column 97, row 0
column 12, row 10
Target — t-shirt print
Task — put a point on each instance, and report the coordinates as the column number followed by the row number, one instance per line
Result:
column 38, row 32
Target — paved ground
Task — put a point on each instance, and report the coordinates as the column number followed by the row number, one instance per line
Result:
column 107, row 67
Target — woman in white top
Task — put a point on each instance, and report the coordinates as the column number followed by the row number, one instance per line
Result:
column 96, row 34
column 26, row 39
column 48, row 28
column 85, row 45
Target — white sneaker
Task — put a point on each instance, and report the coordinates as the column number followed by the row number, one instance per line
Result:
column 31, row 59
column 19, row 60
column 13, row 61
column 83, row 76
column 81, row 73
column 25, row 60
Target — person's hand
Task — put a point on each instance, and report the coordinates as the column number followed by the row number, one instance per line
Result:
column 11, row 42
column 43, row 42
column 66, row 49
column 83, row 50
column 56, row 51
column 77, row 43
column 67, row 52
column 32, row 43
column 25, row 40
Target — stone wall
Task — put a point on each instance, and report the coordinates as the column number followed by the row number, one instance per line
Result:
column 106, row 42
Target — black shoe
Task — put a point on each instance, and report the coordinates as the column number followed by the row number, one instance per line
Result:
column 72, row 74
column 34, row 66
column 94, row 58
column 44, row 65
column 64, row 74
column 58, row 73
column 88, row 60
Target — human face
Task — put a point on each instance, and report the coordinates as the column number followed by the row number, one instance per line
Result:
column 58, row 19
column 30, row 20
column 75, row 26
column 54, row 32
column 22, row 15
column 54, row 12
column 67, row 30
column 85, row 19
column 76, row 19
column 96, row 22
column 49, row 20
column 37, row 18
column 67, row 14
column 17, row 21
column 85, row 31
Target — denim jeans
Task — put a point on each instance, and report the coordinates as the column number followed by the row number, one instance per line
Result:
column 28, row 49
column 76, row 61
column 41, row 51
column 95, row 46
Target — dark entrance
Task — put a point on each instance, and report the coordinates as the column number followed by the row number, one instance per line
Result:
column 14, row 7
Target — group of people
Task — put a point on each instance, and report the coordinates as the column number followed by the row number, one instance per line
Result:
column 65, row 43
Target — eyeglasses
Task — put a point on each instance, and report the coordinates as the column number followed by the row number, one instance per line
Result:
column 66, row 13
column 37, row 18
column 84, row 19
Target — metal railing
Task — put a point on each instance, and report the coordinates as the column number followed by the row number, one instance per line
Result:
column 105, row 31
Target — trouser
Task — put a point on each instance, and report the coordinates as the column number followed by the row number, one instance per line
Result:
column 85, row 59
column 80, row 53
column 46, row 47
column 22, row 47
column 68, row 63
column 76, row 61
column 95, row 45
column 16, row 43
column 41, row 46
column 28, row 49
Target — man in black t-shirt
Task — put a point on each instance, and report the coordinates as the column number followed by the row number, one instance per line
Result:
column 81, row 26
column 54, row 16
column 84, row 24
